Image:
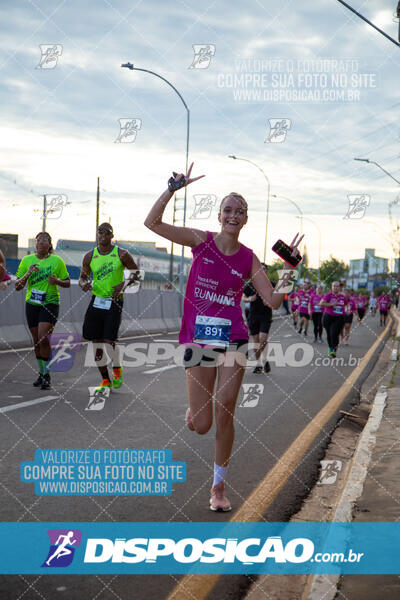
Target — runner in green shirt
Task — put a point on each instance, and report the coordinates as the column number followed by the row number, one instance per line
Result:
column 43, row 272
column 107, row 263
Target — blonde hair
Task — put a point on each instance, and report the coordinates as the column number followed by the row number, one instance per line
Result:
column 234, row 195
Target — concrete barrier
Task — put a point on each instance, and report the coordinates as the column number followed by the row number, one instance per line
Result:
column 144, row 312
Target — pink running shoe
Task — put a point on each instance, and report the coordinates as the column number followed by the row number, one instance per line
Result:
column 188, row 419
column 218, row 501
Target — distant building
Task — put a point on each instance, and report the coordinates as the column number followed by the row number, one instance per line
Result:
column 363, row 271
column 369, row 265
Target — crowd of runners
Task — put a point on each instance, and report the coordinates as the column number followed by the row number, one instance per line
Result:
column 224, row 275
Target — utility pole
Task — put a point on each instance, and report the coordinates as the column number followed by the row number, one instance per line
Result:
column 97, row 207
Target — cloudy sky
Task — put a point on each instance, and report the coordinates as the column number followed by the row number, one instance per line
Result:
column 330, row 80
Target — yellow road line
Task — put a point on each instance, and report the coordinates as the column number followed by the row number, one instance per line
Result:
column 197, row 587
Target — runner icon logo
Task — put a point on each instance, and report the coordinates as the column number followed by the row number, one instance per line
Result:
column 128, row 130
column 63, row 348
column 203, row 54
column 251, row 394
column 329, row 471
column 62, row 547
column 287, row 279
column 49, row 55
column 278, row 129
column 97, row 398
column 203, row 205
column 357, row 206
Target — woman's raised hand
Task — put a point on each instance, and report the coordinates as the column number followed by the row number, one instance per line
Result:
column 179, row 180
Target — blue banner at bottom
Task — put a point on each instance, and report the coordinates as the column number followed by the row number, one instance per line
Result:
column 177, row 548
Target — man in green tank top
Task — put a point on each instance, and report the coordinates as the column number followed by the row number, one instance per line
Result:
column 107, row 263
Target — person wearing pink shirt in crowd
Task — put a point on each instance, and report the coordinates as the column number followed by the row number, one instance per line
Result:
column 349, row 311
column 304, row 296
column 5, row 279
column 334, row 303
column 294, row 305
column 362, row 304
column 317, row 311
column 384, row 302
column 212, row 328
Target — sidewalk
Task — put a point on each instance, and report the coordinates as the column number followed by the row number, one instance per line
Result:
column 380, row 498
column 367, row 488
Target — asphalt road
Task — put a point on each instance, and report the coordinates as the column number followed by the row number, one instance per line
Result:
column 148, row 412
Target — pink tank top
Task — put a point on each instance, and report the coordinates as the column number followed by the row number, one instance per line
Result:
column 213, row 294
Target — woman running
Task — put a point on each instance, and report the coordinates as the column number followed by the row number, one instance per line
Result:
column 334, row 303
column 362, row 304
column 43, row 272
column 294, row 307
column 349, row 311
column 384, row 302
column 304, row 297
column 212, row 329
column 316, row 311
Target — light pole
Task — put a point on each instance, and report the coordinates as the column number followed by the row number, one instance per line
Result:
column 394, row 179
column 133, row 68
column 319, row 244
column 301, row 218
column 372, row 162
column 268, row 187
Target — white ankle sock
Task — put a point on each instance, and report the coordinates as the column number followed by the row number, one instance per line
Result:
column 219, row 474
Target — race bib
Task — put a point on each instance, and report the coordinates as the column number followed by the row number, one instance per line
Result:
column 37, row 296
column 338, row 310
column 212, row 331
column 317, row 308
column 103, row 303
column 304, row 303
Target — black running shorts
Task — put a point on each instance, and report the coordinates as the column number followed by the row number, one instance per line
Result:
column 259, row 324
column 41, row 313
column 101, row 324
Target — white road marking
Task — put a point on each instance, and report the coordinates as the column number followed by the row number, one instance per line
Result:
column 167, row 340
column 28, row 403
column 15, row 396
column 160, row 369
column 83, row 343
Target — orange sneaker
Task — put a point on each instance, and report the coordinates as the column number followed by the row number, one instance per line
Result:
column 218, row 501
column 106, row 383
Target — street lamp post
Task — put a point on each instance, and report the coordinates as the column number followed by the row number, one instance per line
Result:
column 372, row 162
column 300, row 217
column 133, row 68
column 394, row 179
column 319, row 244
column 268, row 187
